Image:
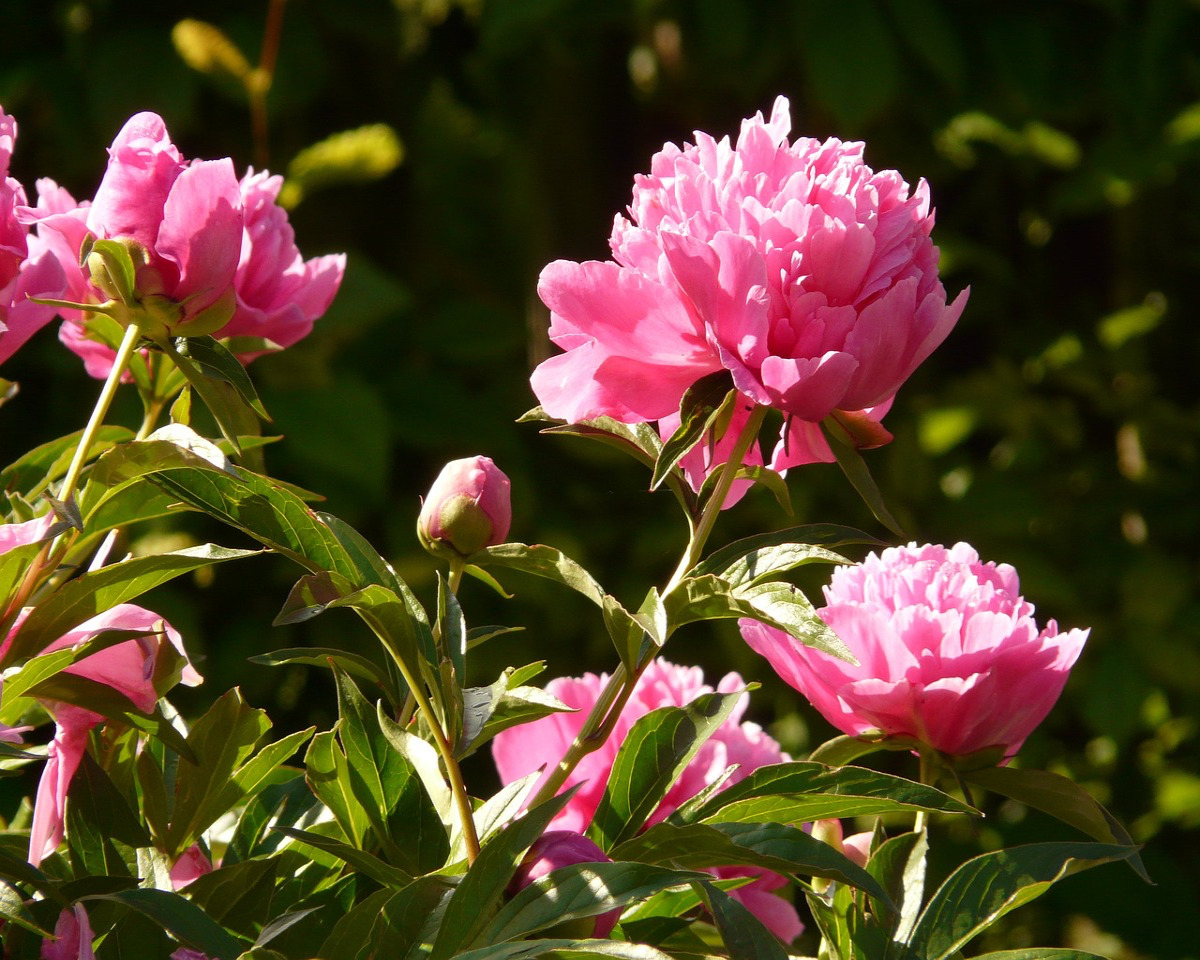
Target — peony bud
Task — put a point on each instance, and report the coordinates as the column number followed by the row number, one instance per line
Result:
column 467, row 508
column 564, row 848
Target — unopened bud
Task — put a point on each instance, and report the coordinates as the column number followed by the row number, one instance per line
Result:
column 468, row 508
column 564, row 848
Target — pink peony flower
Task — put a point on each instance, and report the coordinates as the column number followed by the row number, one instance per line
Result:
column 191, row 865
column 522, row 750
column 563, row 848
column 949, row 651
column 809, row 277
column 13, row 535
column 72, row 937
column 27, row 269
column 468, row 507
column 141, row 669
column 183, row 219
column 279, row 293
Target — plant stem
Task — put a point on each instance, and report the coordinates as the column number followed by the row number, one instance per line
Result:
column 928, row 776
column 100, row 411
column 619, row 688
column 457, row 786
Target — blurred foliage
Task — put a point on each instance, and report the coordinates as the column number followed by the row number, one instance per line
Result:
column 1057, row 430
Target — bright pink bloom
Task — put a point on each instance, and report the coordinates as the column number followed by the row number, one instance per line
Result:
column 279, row 293
column 186, row 216
column 563, row 848
column 522, row 750
column 469, row 506
column 949, row 651
column 141, row 669
column 72, row 937
column 26, row 267
column 794, row 266
column 192, row 864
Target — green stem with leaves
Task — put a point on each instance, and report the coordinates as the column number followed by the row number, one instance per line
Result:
column 616, row 693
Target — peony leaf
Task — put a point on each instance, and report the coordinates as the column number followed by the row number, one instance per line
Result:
column 473, row 902
column 856, row 471
column 328, row 776
column 1061, row 798
column 366, row 863
column 743, row 933
column 98, row 817
column 217, row 362
column 1039, row 953
column 237, row 895
column 92, row 593
column 801, row 790
column 352, row 663
column 503, row 704
column 567, row 950
column 44, row 464
column 388, row 923
column 775, row 603
column 899, row 864
column 987, row 887
column 542, row 561
column 704, row 403
column 778, row 847
column 185, row 921
column 577, row 891
column 654, row 753
column 761, row 557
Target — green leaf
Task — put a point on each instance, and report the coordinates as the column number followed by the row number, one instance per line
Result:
column 773, row 481
column 767, row 555
column 503, row 704
column 655, row 752
column 775, row 603
column 470, row 907
column 388, row 923
column 580, row 890
column 13, row 910
column 425, row 760
column 987, row 887
column 704, row 403
column 44, row 464
column 1061, row 798
column 185, row 921
column 328, row 776
column 742, row 932
column 806, row 791
column 353, row 663
column 237, row 895
column 543, row 561
column 98, row 816
column 372, row 866
column 779, row 847
column 856, row 471
column 216, row 362
column 839, row 751
column 388, row 787
column 1039, row 953
column 899, row 864
column 118, row 263
column 93, row 593
column 228, row 770
column 109, row 703
column 565, row 950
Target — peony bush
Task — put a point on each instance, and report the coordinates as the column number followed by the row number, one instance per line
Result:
column 640, row 816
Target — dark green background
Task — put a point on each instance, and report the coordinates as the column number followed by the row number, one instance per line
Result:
column 1056, row 430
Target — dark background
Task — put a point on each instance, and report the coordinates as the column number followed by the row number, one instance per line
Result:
column 1056, row 430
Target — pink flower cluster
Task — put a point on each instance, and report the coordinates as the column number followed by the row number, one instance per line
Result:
column 522, row 750
column 949, row 652
column 809, row 277
column 140, row 669
column 26, row 268
column 212, row 254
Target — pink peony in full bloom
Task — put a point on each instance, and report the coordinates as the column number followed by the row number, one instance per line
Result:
column 142, row 669
column 809, row 277
column 181, row 220
column 72, row 937
column 522, row 750
column 27, row 269
column 949, row 651
column 279, row 293
column 564, row 848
